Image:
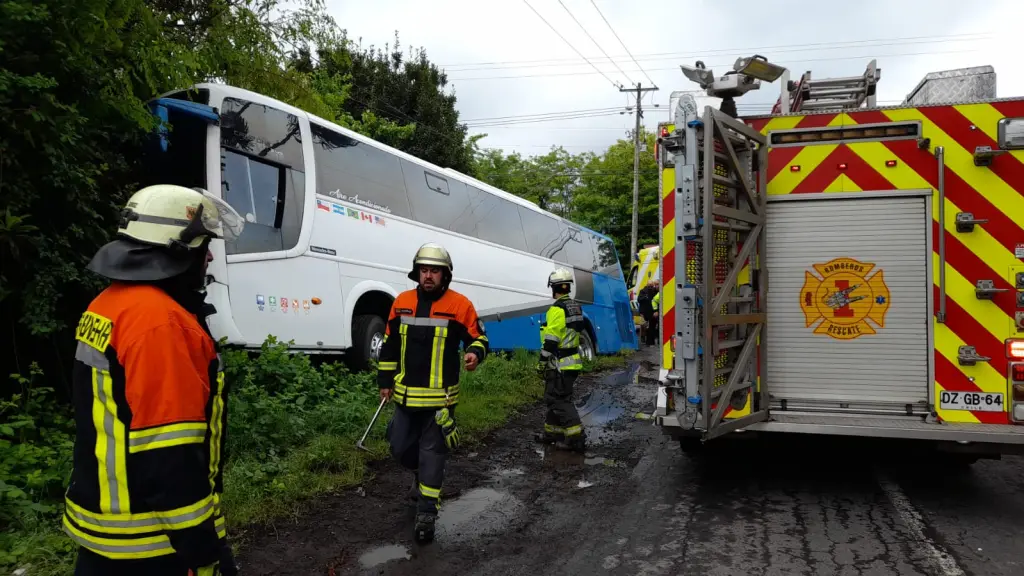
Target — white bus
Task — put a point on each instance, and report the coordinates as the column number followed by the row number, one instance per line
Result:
column 332, row 222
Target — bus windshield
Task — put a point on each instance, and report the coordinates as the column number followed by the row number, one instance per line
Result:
column 177, row 153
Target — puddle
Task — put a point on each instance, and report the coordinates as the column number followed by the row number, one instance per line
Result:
column 477, row 512
column 382, row 554
column 506, row 472
column 601, row 461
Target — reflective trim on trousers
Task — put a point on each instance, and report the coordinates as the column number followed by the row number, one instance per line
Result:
column 574, row 430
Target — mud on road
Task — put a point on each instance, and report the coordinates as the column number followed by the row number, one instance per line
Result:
column 634, row 504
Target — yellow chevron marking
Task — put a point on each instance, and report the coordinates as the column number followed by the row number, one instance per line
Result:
column 781, row 123
column 668, row 182
column 985, row 376
column 808, row 159
column 992, row 187
column 961, row 291
column 986, row 118
column 980, row 242
column 837, row 185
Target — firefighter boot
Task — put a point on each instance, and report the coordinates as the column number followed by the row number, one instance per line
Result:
column 546, row 437
column 577, row 443
column 424, row 530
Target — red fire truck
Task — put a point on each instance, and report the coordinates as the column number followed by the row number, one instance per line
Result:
column 841, row 268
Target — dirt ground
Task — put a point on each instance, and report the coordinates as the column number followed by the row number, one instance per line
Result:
column 634, row 504
column 372, row 523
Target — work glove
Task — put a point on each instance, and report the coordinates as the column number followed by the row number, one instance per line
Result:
column 227, row 560
column 449, row 429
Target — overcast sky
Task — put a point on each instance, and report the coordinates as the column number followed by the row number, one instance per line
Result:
column 503, row 60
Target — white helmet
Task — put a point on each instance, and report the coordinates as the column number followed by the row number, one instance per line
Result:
column 560, row 276
column 430, row 254
column 169, row 215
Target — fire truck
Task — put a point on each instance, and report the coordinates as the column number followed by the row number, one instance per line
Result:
column 842, row 268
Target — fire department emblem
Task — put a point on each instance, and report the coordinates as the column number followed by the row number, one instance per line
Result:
column 846, row 299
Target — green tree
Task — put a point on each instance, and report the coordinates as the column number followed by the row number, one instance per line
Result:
column 605, row 199
column 404, row 89
column 74, row 79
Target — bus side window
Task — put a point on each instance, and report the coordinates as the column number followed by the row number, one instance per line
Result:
column 262, row 175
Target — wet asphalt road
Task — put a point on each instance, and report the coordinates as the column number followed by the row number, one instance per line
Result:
column 635, row 504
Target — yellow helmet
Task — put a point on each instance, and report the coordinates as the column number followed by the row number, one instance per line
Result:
column 430, row 254
column 169, row 215
column 560, row 276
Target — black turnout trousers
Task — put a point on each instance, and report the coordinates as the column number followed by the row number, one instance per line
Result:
column 562, row 417
column 418, row 445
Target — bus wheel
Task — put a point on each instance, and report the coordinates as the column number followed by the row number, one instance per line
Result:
column 587, row 350
column 367, row 339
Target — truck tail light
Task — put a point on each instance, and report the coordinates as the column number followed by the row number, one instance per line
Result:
column 1015, row 349
column 672, row 343
column 1018, row 392
column 1017, row 373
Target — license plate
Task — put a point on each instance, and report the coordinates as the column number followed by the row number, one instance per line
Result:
column 975, row 401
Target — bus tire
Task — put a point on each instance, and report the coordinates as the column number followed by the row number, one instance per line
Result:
column 587, row 349
column 367, row 338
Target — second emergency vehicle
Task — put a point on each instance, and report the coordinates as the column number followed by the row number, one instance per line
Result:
column 842, row 268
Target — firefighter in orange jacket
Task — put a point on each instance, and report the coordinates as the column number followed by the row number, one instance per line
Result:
column 418, row 369
column 149, row 397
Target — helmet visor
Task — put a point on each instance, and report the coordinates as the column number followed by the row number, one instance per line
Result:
column 226, row 223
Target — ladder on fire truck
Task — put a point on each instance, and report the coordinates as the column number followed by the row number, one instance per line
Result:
column 829, row 93
column 719, row 228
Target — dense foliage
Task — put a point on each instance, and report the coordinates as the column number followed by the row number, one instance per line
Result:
column 291, row 435
column 74, row 79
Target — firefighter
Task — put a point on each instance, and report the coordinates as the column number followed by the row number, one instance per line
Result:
column 560, row 363
column 645, row 301
column 149, row 396
column 655, row 312
column 418, row 370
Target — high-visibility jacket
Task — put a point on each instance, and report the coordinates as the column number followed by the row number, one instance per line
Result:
column 560, row 335
column 420, row 355
column 149, row 396
column 656, row 302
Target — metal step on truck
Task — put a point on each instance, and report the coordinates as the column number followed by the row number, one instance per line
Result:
column 842, row 268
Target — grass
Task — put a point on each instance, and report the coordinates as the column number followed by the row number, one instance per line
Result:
column 291, row 437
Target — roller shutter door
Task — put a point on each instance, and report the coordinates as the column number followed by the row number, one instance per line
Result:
column 871, row 350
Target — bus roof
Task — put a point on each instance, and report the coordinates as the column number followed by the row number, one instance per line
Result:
column 465, row 179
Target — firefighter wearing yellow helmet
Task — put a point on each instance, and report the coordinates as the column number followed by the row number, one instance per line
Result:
column 418, row 370
column 560, row 363
column 149, row 396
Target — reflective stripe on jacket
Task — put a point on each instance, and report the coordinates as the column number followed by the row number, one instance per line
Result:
column 420, row 355
column 149, row 396
column 560, row 335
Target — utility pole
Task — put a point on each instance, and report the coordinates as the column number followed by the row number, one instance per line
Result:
column 639, row 91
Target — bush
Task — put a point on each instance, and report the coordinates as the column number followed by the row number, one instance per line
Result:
column 292, row 428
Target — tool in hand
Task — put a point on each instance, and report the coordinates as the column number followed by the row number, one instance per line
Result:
column 359, row 444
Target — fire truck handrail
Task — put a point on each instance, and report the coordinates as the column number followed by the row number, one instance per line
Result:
column 877, row 108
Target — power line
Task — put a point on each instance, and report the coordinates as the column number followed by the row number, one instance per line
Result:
column 543, row 114
column 790, row 65
column 653, row 83
column 569, row 44
column 540, row 120
column 802, row 47
column 628, row 79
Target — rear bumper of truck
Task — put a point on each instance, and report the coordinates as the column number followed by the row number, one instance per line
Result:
column 1007, row 438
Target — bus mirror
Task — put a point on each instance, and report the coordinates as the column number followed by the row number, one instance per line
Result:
column 160, row 111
